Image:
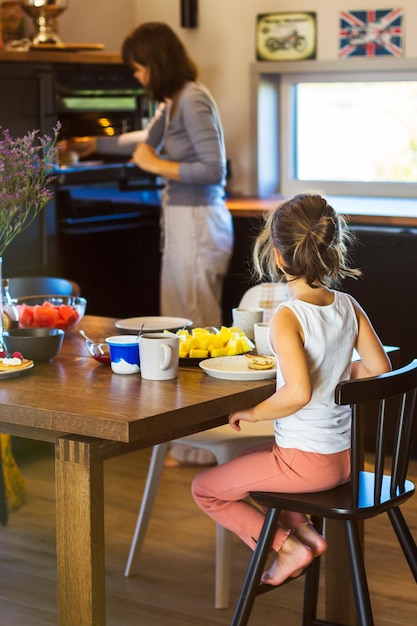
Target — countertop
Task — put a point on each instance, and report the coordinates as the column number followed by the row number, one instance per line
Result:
column 51, row 56
column 394, row 212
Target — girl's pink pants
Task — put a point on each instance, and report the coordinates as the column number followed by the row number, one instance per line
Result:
column 221, row 491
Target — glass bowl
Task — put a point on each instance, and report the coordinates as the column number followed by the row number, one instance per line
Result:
column 99, row 351
column 63, row 312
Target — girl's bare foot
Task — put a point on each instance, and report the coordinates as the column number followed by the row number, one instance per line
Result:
column 290, row 562
column 309, row 536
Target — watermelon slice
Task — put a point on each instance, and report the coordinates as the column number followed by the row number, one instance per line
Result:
column 47, row 315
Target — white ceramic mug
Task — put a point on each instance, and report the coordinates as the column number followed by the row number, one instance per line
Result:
column 159, row 355
column 245, row 319
column 262, row 339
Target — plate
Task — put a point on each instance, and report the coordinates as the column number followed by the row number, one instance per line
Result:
column 235, row 368
column 13, row 373
column 156, row 324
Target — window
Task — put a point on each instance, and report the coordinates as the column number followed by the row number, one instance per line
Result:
column 342, row 132
column 364, row 131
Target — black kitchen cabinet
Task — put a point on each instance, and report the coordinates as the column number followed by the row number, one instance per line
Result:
column 118, row 266
column 27, row 104
column 239, row 277
column 115, row 262
column 27, row 98
column 387, row 290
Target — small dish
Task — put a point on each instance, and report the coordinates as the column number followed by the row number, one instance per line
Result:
column 14, row 373
column 235, row 368
column 99, row 350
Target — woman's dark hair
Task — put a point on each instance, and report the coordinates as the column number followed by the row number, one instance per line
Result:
column 312, row 239
column 156, row 46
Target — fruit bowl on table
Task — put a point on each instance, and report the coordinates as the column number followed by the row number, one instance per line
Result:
column 51, row 311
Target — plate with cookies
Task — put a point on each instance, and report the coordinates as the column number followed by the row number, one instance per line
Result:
column 241, row 367
column 13, row 365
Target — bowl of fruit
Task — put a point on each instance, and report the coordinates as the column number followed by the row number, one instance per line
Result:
column 59, row 312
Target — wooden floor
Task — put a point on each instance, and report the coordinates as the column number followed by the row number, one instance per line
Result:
column 175, row 587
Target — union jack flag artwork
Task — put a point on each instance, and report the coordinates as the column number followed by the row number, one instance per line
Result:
column 371, row 33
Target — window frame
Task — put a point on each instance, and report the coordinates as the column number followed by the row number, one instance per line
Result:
column 274, row 113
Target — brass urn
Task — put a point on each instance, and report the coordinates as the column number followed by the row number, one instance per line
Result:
column 44, row 14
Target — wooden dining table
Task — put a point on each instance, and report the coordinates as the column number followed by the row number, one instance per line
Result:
column 91, row 414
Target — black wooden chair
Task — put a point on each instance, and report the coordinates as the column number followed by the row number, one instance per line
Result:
column 368, row 494
column 24, row 286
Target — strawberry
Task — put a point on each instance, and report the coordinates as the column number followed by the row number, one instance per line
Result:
column 2, row 354
column 18, row 355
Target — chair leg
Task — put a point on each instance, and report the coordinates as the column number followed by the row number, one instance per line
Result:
column 311, row 585
column 358, row 575
column 256, row 567
column 223, row 563
column 149, row 494
column 405, row 538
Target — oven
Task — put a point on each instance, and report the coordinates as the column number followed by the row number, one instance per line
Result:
column 107, row 209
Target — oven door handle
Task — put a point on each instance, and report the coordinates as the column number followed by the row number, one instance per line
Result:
column 136, row 179
column 127, row 184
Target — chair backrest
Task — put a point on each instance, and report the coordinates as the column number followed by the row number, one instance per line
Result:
column 393, row 397
column 42, row 286
column 265, row 295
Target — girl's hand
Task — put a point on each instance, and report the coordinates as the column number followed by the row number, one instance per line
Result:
column 235, row 418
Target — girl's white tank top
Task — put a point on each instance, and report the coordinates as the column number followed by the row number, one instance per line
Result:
column 330, row 334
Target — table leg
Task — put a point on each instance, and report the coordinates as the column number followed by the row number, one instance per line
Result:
column 79, row 533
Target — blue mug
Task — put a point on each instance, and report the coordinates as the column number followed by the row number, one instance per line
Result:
column 124, row 354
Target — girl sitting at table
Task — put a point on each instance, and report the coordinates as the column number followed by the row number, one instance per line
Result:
column 313, row 335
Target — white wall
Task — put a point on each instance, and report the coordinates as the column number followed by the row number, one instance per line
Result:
column 223, row 45
column 97, row 21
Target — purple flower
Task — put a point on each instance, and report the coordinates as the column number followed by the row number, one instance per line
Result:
column 26, row 171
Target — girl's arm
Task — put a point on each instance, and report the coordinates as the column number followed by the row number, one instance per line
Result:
column 296, row 390
column 374, row 360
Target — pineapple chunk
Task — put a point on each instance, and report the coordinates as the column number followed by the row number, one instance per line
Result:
column 198, row 354
column 215, row 342
column 224, row 334
column 232, row 347
column 246, row 344
column 218, row 352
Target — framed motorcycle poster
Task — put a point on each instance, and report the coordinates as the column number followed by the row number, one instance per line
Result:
column 286, row 36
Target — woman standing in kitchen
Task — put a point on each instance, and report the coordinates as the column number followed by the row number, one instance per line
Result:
column 184, row 145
